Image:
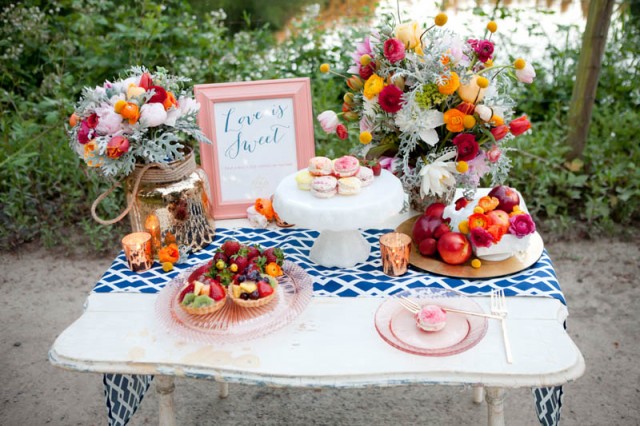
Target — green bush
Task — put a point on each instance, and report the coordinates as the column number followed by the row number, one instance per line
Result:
column 50, row 50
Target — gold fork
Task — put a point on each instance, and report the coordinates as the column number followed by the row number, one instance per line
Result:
column 413, row 307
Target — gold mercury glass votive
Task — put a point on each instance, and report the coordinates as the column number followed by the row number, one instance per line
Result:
column 152, row 226
column 137, row 250
column 395, row 248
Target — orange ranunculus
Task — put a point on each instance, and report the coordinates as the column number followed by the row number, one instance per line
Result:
column 130, row 112
column 449, row 84
column 170, row 101
column 91, row 154
column 169, row 253
column 488, row 203
column 497, row 231
column 454, row 119
column 264, row 207
column 273, row 269
column 478, row 220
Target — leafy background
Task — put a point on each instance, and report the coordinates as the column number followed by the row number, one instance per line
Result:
column 50, row 50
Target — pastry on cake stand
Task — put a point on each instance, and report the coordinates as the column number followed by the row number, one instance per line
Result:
column 339, row 218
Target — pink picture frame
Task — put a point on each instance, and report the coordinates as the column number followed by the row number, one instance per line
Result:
column 261, row 132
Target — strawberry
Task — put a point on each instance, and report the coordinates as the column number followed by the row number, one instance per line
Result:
column 216, row 291
column 241, row 262
column 264, row 289
column 220, row 255
column 187, row 289
column 253, row 252
column 230, row 247
column 198, row 272
column 377, row 169
column 274, row 254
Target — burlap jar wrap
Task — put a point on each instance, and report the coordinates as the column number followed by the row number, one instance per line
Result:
column 176, row 193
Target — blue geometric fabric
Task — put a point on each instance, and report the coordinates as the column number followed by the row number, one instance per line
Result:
column 364, row 279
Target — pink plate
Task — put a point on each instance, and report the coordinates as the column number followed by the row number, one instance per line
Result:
column 397, row 326
column 233, row 323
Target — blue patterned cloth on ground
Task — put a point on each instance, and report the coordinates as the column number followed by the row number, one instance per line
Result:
column 124, row 392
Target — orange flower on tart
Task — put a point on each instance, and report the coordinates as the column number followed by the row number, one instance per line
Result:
column 478, row 220
column 488, row 203
column 273, row 269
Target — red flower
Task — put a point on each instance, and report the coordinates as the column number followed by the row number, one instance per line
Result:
column 160, row 96
column 390, row 99
column 85, row 134
column 92, row 121
column 483, row 49
column 499, row 132
column 145, row 81
column 480, row 237
column 467, row 146
column 394, row 50
column 466, row 107
column 519, row 125
column 366, row 71
column 341, row 131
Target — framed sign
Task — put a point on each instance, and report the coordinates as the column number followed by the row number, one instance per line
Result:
column 261, row 131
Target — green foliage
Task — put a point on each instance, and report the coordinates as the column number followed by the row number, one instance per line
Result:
column 50, row 50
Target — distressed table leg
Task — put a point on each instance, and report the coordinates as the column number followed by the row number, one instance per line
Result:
column 495, row 406
column 478, row 394
column 223, row 390
column 164, row 388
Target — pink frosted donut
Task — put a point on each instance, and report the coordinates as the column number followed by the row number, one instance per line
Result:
column 431, row 318
column 324, row 186
column 320, row 166
column 346, row 166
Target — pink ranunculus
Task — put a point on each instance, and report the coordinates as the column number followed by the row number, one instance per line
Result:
column 390, row 99
column 117, row 146
column 467, row 146
column 519, row 125
column 483, row 49
column 480, row 237
column 85, row 134
column 394, row 50
column 341, row 131
column 521, row 225
column 493, row 155
column 328, row 121
column 527, row 74
column 499, row 132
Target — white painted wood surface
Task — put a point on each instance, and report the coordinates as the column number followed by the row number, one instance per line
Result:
column 333, row 343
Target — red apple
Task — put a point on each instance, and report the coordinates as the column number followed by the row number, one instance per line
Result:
column 454, row 248
column 441, row 230
column 424, row 227
column 435, row 209
column 427, row 247
column 498, row 217
column 508, row 197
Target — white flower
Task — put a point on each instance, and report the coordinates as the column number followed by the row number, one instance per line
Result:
column 438, row 176
column 109, row 121
column 256, row 219
column 412, row 119
column 527, row 74
column 484, row 112
column 328, row 121
column 152, row 115
column 185, row 106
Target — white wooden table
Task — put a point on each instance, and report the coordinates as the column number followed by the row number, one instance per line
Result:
column 333, row 343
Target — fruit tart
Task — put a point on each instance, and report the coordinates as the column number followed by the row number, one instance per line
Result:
column 253, row 289
column 202, row 296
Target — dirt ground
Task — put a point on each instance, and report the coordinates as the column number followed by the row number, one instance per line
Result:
column 43, row 292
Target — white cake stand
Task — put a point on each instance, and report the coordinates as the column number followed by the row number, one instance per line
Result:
column 338, row 219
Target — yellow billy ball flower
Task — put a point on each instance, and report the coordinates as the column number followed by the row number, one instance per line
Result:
column 482, row 82
column 478, row 210
column 462, row 166
column 475, row 263
column 119, row 105
column 324, row 68
column 441, row 19
column 463, row 226
column 365, row 60
column 519, row 64
column 167, row 266
column 469, row 121
column 489, row 63
column 365, row 137
column 492, row 26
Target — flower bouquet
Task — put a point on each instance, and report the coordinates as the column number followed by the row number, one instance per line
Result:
column 432, row 107
column 140, row 119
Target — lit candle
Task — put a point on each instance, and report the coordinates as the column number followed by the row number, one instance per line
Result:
column 152, row 226
column 395, row 248
column 137, row 250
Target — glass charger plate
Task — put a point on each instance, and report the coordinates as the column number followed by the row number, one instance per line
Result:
column 233, row 323
column 488, row 269
column 397, row 326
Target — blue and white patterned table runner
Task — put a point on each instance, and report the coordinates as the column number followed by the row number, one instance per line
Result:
column 365, row 279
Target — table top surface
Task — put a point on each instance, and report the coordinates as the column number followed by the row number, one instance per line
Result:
column 333, row 343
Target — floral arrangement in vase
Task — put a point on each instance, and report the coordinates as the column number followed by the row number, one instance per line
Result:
column 143, row 118
column 431, row 106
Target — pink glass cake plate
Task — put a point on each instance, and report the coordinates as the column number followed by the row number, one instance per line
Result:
column 397, row 326
column 233, row 323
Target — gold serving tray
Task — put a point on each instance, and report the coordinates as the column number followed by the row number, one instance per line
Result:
column 488, row 269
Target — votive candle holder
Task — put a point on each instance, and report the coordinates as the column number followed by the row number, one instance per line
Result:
column 137, row 250
column 395, row 248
